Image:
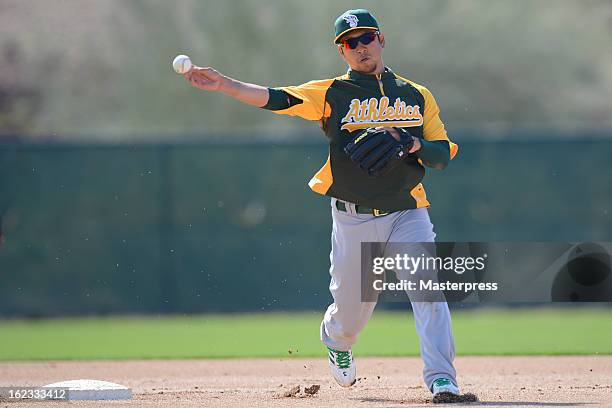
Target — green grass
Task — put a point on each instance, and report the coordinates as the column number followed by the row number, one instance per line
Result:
column 487, row 332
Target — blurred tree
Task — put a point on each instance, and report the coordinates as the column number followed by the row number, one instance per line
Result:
column 19, row 98
column 87, row 67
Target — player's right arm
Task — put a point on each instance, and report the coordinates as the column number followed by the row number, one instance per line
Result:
column 306, row 101
column 209, row 79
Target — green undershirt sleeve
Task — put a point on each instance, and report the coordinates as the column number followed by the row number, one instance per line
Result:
column 279, row 100
column 435, row 154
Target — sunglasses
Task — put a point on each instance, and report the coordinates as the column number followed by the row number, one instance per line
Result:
column 365, row 39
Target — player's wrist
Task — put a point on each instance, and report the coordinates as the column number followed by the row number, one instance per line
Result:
column 407, row 140
column 225, row 84
column 416, row 145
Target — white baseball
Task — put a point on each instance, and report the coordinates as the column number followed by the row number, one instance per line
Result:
column 181, row 64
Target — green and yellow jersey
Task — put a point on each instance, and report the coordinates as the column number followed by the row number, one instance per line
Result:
column 356, row 101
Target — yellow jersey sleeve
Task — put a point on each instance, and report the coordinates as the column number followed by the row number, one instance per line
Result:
column 433, row 128
column 312, row 94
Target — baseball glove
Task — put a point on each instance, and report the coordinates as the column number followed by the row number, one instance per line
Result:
column 377, row 152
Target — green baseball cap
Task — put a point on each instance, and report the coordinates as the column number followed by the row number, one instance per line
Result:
column 352, row 20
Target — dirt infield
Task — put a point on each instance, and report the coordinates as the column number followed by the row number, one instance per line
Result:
column 388, row 382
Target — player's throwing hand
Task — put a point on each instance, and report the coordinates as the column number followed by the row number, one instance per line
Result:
column 206, row 79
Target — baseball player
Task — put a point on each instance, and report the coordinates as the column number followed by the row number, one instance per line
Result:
column 383, row 131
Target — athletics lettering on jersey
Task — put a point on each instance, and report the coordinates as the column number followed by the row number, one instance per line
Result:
column 373, row 112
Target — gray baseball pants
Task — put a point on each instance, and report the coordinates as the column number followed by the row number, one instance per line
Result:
column 348, row 315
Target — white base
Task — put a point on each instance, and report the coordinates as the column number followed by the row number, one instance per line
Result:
column 93, row 390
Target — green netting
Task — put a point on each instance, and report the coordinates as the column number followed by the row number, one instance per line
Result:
column 199, row 228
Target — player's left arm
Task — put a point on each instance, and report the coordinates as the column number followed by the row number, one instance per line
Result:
column 436, row 149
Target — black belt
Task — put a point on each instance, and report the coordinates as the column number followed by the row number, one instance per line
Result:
column 360, row 209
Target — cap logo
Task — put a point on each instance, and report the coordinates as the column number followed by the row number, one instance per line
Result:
column 351, row 20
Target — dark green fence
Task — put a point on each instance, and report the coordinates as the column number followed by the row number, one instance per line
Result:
column 213, row 227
